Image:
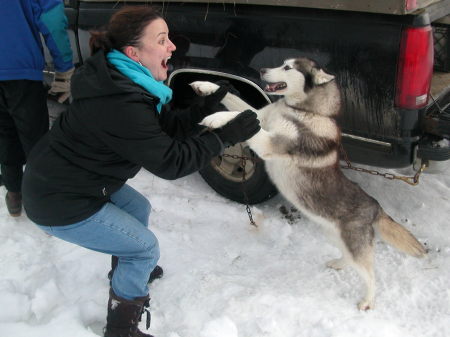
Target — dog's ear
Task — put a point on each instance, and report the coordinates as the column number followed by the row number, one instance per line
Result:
column 320, row 77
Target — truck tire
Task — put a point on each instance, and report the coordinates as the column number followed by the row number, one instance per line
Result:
column 225, row 176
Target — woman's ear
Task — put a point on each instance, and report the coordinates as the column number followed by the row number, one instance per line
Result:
column 131, row 52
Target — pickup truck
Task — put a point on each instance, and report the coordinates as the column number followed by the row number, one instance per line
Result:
column 391, row 59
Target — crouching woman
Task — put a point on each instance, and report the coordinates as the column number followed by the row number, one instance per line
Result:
column 74, row 184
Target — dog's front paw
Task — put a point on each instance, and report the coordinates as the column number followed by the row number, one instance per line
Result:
column 204, row 88
column 219, row 119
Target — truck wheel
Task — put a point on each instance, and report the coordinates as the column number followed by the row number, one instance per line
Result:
column 225, row 176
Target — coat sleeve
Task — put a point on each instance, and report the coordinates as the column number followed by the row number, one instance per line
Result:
column 52, row 23
column 181, row 123
column 133, row 131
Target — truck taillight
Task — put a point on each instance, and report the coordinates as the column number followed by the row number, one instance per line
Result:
column 415, row 67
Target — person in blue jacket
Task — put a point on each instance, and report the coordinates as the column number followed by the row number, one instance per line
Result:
column 23, row 97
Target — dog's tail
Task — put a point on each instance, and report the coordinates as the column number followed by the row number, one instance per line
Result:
column 398, row 236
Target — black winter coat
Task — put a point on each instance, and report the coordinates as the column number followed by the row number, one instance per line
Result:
column 110, row 131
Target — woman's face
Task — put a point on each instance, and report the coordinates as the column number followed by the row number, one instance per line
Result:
column 155, row 49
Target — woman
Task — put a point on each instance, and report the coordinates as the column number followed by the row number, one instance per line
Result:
column 74, row 184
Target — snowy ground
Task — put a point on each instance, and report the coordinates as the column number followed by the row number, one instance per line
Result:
column 224, row 278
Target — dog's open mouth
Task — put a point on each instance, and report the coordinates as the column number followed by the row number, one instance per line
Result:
column 272, row 87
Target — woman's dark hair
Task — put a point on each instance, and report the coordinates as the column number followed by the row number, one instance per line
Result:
column 125, row 28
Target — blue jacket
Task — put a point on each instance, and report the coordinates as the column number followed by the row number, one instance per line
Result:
column 21, row 24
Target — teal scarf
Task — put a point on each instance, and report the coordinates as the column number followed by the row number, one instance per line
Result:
column 140, row 75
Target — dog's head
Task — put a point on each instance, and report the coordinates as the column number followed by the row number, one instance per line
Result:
column 294, row 77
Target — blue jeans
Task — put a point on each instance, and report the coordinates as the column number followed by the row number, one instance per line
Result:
column 119, row 228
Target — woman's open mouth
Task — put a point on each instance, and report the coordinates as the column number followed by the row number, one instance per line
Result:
column 164, row 62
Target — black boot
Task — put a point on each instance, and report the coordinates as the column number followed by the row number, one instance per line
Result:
column 156, row 273
column 124, row 316
column 14, row 203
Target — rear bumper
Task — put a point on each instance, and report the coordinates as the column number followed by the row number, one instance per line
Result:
column 389, row 155
column 435, row 144
column 429, row 149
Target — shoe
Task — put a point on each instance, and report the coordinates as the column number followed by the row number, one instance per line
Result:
column 14, row 203
column 124, row 316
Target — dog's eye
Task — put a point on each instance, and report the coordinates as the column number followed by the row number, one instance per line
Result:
column 287, row 68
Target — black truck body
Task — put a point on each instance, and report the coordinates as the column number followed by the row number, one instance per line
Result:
column 380, row 51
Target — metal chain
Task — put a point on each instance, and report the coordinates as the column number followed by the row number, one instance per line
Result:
column 414, row 180
column 243, row 160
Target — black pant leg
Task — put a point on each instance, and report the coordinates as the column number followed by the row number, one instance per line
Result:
column 29, row 112
column 11, row 151
column 12, row 177
column 23, row 121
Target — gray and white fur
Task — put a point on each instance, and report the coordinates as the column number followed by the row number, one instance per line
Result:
column 300, row 142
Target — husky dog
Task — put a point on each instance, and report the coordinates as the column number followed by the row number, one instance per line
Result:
column 300, row 142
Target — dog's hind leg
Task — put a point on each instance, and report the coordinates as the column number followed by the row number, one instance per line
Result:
column 345, row 259
column 358, row 242
column 364, row 266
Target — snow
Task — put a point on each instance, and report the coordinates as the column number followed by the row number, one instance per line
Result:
column 226, row 278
